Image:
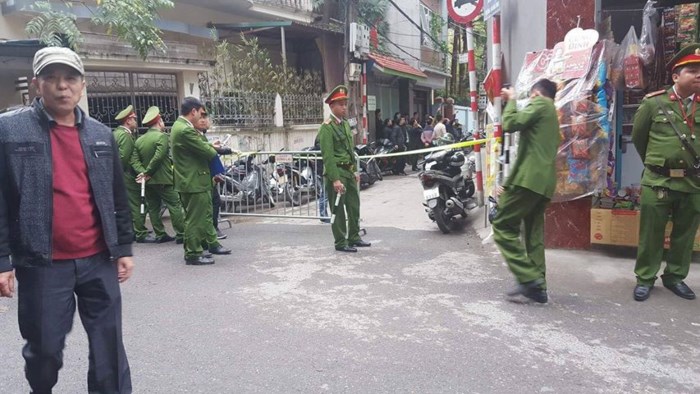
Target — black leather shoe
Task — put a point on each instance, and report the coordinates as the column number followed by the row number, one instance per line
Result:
column 207, row 254
column 681, row 290
column 361, row 244
column 531, row 290
column 325, row 220
column 642, row 292
column 149, row 239
column 349, row 249
column 179, row 241
column 219, row 250
column 164, row 239
column 199, row 260
column 220, row 234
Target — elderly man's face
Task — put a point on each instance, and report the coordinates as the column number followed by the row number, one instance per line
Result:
column 60, row 88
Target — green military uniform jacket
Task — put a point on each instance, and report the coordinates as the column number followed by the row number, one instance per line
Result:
column 131, row 164
column 538, row 124
column 191, row 157
column 153, row 150
column 658, row 145
column 336, row 147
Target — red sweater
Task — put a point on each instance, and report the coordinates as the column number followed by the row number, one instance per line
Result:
column 77, row 230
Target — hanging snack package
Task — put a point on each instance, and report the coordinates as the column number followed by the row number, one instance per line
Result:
column 634, row 71
column 647, row 40
column 687, row 32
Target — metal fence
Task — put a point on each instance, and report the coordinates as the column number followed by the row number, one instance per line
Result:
column 274, row 184
column 302, row 109
column 243, row 109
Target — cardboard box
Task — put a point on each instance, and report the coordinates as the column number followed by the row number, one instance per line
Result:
column 614, row 227
column 621, row 227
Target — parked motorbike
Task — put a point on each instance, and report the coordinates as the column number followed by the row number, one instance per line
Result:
column 248, row 183
column 448, row 187
column 384, row 146
column 369, row 169
column 303, row 182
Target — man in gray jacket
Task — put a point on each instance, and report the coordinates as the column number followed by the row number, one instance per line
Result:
column 65, row 227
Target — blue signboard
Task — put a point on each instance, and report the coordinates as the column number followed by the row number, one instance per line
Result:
column 491, row 8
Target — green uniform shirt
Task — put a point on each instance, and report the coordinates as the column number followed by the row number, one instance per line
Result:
column 336, row 147
column 658, row 145
column 191, row 157
column 153, row 148
column 127, row 153
column 538, row 124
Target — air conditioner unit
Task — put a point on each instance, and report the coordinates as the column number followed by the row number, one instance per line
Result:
column 354, row 71
column 359, row 39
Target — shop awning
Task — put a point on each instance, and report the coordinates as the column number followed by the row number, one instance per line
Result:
column 397, row 67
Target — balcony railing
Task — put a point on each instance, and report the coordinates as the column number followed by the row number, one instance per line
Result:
column 298, row 5
column 100, row 44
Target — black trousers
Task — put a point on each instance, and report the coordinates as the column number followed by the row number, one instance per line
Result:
column 216, row 204
column 400, row 164
column 47, row 301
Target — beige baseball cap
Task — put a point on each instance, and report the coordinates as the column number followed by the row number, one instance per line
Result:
column 57, row 55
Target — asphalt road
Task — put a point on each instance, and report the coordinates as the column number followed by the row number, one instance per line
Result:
column 419, row 312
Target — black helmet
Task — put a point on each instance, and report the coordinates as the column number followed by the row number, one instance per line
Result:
column 457, row 160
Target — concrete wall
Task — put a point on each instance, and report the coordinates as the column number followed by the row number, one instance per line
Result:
column 523, row 29
column 269, row 140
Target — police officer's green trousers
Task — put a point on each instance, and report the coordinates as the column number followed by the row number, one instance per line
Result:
column 199, row 230
column 350, row 201
column 133, row 193
column 156, row 196
column 684, row 211
column 520, row 208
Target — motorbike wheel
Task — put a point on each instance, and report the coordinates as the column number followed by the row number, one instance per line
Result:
column 470, row 189
column 293, row 191
column 444, row 222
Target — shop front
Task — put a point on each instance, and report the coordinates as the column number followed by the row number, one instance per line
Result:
column 604, row 70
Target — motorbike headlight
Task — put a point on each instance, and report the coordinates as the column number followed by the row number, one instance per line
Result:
column 432, row 203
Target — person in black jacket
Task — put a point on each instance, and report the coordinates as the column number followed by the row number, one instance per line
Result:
column 398, row 138
column 414, row 142
column 65, row 223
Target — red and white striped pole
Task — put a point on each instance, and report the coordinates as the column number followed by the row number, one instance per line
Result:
column 497, row 102
column 365, row 128
column 471, row 63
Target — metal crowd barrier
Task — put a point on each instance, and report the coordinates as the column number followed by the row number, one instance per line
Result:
column 284, row 184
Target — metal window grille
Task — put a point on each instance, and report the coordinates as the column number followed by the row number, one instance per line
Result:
column 109, row 92
column 302, row 109
column 243, row 109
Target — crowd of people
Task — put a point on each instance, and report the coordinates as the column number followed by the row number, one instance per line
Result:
column 413, row 133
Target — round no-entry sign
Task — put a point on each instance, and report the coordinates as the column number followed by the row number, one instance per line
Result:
column 464, row 11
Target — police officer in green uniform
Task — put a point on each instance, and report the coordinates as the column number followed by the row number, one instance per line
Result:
column 153, row 149
column 529, row 188
column 191, row 157
column 338, row 154
column 671, row 178
column 125, row 135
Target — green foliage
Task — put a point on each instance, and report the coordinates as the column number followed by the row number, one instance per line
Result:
column 52, row 27
column 247, row 67
column 437, row 23
column 132, row 21
column 372, row 12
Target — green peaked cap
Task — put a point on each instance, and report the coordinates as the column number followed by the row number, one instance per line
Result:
column 125, row 112
column 151, row 115
column 687, row 55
